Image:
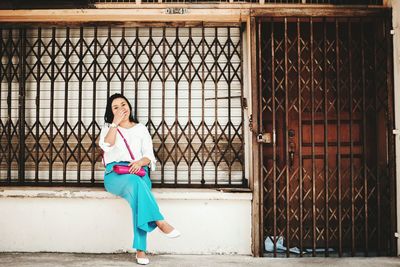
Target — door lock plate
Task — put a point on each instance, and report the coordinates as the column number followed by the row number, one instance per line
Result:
column 264, row 138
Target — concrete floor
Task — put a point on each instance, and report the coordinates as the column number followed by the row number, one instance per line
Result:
column 126, row 259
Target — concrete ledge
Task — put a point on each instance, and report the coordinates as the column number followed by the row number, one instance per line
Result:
column 91, row 220
column 100, row 193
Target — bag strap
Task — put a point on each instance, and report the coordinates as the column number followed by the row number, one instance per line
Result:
column 126, row 143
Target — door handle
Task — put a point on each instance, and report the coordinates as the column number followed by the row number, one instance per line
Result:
column 291, row 155
column 292, row 147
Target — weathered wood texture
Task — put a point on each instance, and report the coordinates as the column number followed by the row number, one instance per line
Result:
column 327, row 94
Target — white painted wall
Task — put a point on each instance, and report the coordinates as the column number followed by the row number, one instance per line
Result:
column 396, row 55
column 73, row 220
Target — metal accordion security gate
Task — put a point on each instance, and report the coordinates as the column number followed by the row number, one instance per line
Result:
column 325, row 124
column 184, row 83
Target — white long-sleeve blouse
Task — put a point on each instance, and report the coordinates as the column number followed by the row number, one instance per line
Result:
column 139, row 140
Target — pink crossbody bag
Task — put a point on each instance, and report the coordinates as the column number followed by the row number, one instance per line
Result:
column 124, row 169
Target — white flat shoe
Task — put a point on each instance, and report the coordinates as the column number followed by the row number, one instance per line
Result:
column 142, row 261
column 173, row 234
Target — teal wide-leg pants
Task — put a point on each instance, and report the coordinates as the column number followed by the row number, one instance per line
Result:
column 137, row 191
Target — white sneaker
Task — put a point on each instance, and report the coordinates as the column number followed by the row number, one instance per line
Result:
column 142, row 261
column 173, row 234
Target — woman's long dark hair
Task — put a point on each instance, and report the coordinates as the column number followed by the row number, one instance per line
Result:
column 109, row 116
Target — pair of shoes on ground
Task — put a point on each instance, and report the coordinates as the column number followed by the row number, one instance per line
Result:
column 144, row 261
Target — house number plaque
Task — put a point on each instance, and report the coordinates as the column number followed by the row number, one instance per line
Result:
column 174, row 11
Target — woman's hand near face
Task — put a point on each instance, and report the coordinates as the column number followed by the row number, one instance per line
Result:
column 120, row 115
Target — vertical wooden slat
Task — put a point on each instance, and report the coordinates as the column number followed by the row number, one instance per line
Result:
column 21, row 104
column 108, row 63
column 257, row 163
column 338, row 133
column 190, row 144
column 9, row 50
column 66, row 87
column 37, row 103
column 242, row 146
column 326, row 166
column 163, row 62
column 229, row 108
column 136, row 57
column 123, row 75
column 390, row 125
column 80, row 86
column 150, row 121
column 287, row 141
column 216, row 104
column 300, row 137
column 312, row 136
column 274, row 150
column 94, row 158
column 257, row 126
column 130, row 76
column 378, row 187
column 203, row 59
column 351, row 136
column 176, row 81
column 364, row 136
column 52, row 74
column 4, row 71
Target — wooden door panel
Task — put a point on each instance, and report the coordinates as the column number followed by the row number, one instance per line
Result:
column 323, row 91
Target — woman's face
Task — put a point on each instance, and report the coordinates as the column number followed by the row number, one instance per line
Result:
column 118, row 105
